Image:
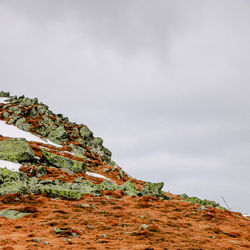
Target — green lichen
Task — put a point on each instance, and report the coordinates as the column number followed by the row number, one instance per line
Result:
column 85, row 132
column 153, row 189
column 16, row 150
column 12, row 214
column 63, row 162
column 79, row 151
column 14, row 182
column 7, row 175
column 58, row 133
column 205, row 202
column 129, row 188
column 4, row 94
column 108, row 185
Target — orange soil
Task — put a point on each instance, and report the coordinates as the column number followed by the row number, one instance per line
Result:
column 102, row 223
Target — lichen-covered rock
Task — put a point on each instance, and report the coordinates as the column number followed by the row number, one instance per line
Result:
column 12, row 120
column 106, row 154
column 85, row 132
column 12, row 182
column 41, row 171
column 21, row 124
column 6, row 114
column 129, row 188
column 41, row 108
column 12, row 214
column 57, row 191
column 15, row 110
column 108, row 185
column 24, row 127
column 74, row 132
column 7, row 176
column 63, row 162
column 4, row 94
column 153, row 189
column 34, row 111
column 58, row 133
column 78, row 151
column 43, row 131
column 205, row 202
column 16, row 150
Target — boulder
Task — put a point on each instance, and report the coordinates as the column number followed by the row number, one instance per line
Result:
column 4, row 94
column 85, row 132
column 59, row 134
column 12, row 214
column 78, row 151
column 63, row 162
column 12, row 182
column 16, row 150
column 129, row 188
column 153, row 189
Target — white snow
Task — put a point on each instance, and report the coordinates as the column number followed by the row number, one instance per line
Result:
column 3, row 99
column 13, row 131
column 97, row 175
column 246, row 215
column 10, row 165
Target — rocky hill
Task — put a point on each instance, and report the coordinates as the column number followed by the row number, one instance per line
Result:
column 60, row 189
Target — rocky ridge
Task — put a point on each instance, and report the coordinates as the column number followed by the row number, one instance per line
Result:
column 72, row 165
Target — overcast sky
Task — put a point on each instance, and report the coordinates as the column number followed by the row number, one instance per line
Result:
column 164, row 83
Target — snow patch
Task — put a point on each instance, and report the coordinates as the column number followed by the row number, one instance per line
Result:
column 13, row 131
column 4, row 99
column 10, row 165
column 97, row 175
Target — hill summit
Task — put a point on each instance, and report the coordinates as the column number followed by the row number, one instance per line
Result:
column 59, row 187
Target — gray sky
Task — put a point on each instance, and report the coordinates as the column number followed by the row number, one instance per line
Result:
column 164, row 83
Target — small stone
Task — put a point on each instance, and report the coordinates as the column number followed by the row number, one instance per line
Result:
column 57, row 230
column 85, row 205
column 201, row 208
column 36, row 240
column 143, row 226
column 212, row 237
column 46, row 243
column 41, row 171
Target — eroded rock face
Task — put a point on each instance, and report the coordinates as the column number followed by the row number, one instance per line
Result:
column 16, row 150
